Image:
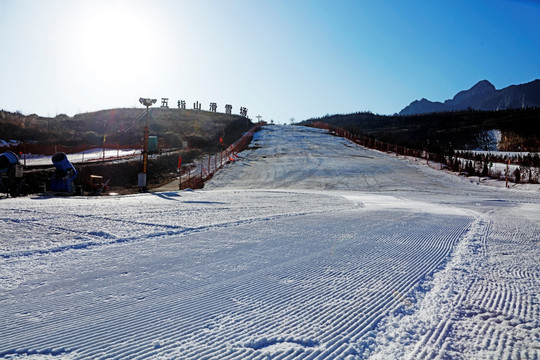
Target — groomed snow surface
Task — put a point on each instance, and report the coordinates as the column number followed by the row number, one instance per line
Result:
column 308, row 247
column 85, row 156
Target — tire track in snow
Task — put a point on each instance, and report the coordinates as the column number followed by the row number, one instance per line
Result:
column 287, row 313
column 342, row 330
column 90, row 313
column 46, row 228
column 100, row 238
column 432, row 341
column 506, row 313
column 473, row 311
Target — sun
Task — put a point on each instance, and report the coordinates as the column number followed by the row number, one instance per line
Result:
column 114, row 41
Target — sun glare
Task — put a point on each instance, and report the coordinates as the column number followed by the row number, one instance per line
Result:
column 115, row 42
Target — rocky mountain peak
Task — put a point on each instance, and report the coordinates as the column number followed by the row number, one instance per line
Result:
column 482, row 96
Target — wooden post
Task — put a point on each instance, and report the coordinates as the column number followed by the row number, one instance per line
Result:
column 507, row 170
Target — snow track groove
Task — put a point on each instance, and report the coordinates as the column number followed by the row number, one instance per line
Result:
column 485, row 313
column 44, row 234
column 287, row 296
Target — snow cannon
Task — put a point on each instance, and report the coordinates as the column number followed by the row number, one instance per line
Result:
column 62, row 180
column 7, row 160
column 10, row 174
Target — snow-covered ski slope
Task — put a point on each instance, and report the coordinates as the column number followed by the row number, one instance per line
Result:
column 309, row 247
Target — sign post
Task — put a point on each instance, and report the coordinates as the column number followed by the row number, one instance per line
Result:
column 142, row 177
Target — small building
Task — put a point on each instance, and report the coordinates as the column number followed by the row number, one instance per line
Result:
column 152, row 144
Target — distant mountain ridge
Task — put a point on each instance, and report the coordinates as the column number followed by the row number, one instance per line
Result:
column 482, row 96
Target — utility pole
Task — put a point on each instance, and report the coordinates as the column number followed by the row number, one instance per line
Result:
column 142, row 177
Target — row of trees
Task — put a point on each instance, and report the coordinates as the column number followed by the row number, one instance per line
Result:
column 522, row 168
column 122, row 127
column 519, row 128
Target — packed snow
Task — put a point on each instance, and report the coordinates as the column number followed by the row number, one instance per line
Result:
column 85, row 156
column 307, row 247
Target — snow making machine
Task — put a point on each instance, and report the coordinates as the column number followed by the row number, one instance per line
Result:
column 11, row 174
column 62, row 180
column 97, row 186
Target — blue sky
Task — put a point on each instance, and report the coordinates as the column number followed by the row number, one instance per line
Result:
column 281, row 59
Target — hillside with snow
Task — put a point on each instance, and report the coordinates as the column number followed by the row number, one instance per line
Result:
column 307, row 247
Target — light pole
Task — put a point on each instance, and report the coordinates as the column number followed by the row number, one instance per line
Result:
column 142, row 177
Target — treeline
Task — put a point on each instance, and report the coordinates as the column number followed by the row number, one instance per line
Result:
column 524, row 168
column 527, row 160
column 124, row 127
column 519, row 128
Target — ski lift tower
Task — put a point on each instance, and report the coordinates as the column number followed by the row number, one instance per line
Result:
column 142, row 176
